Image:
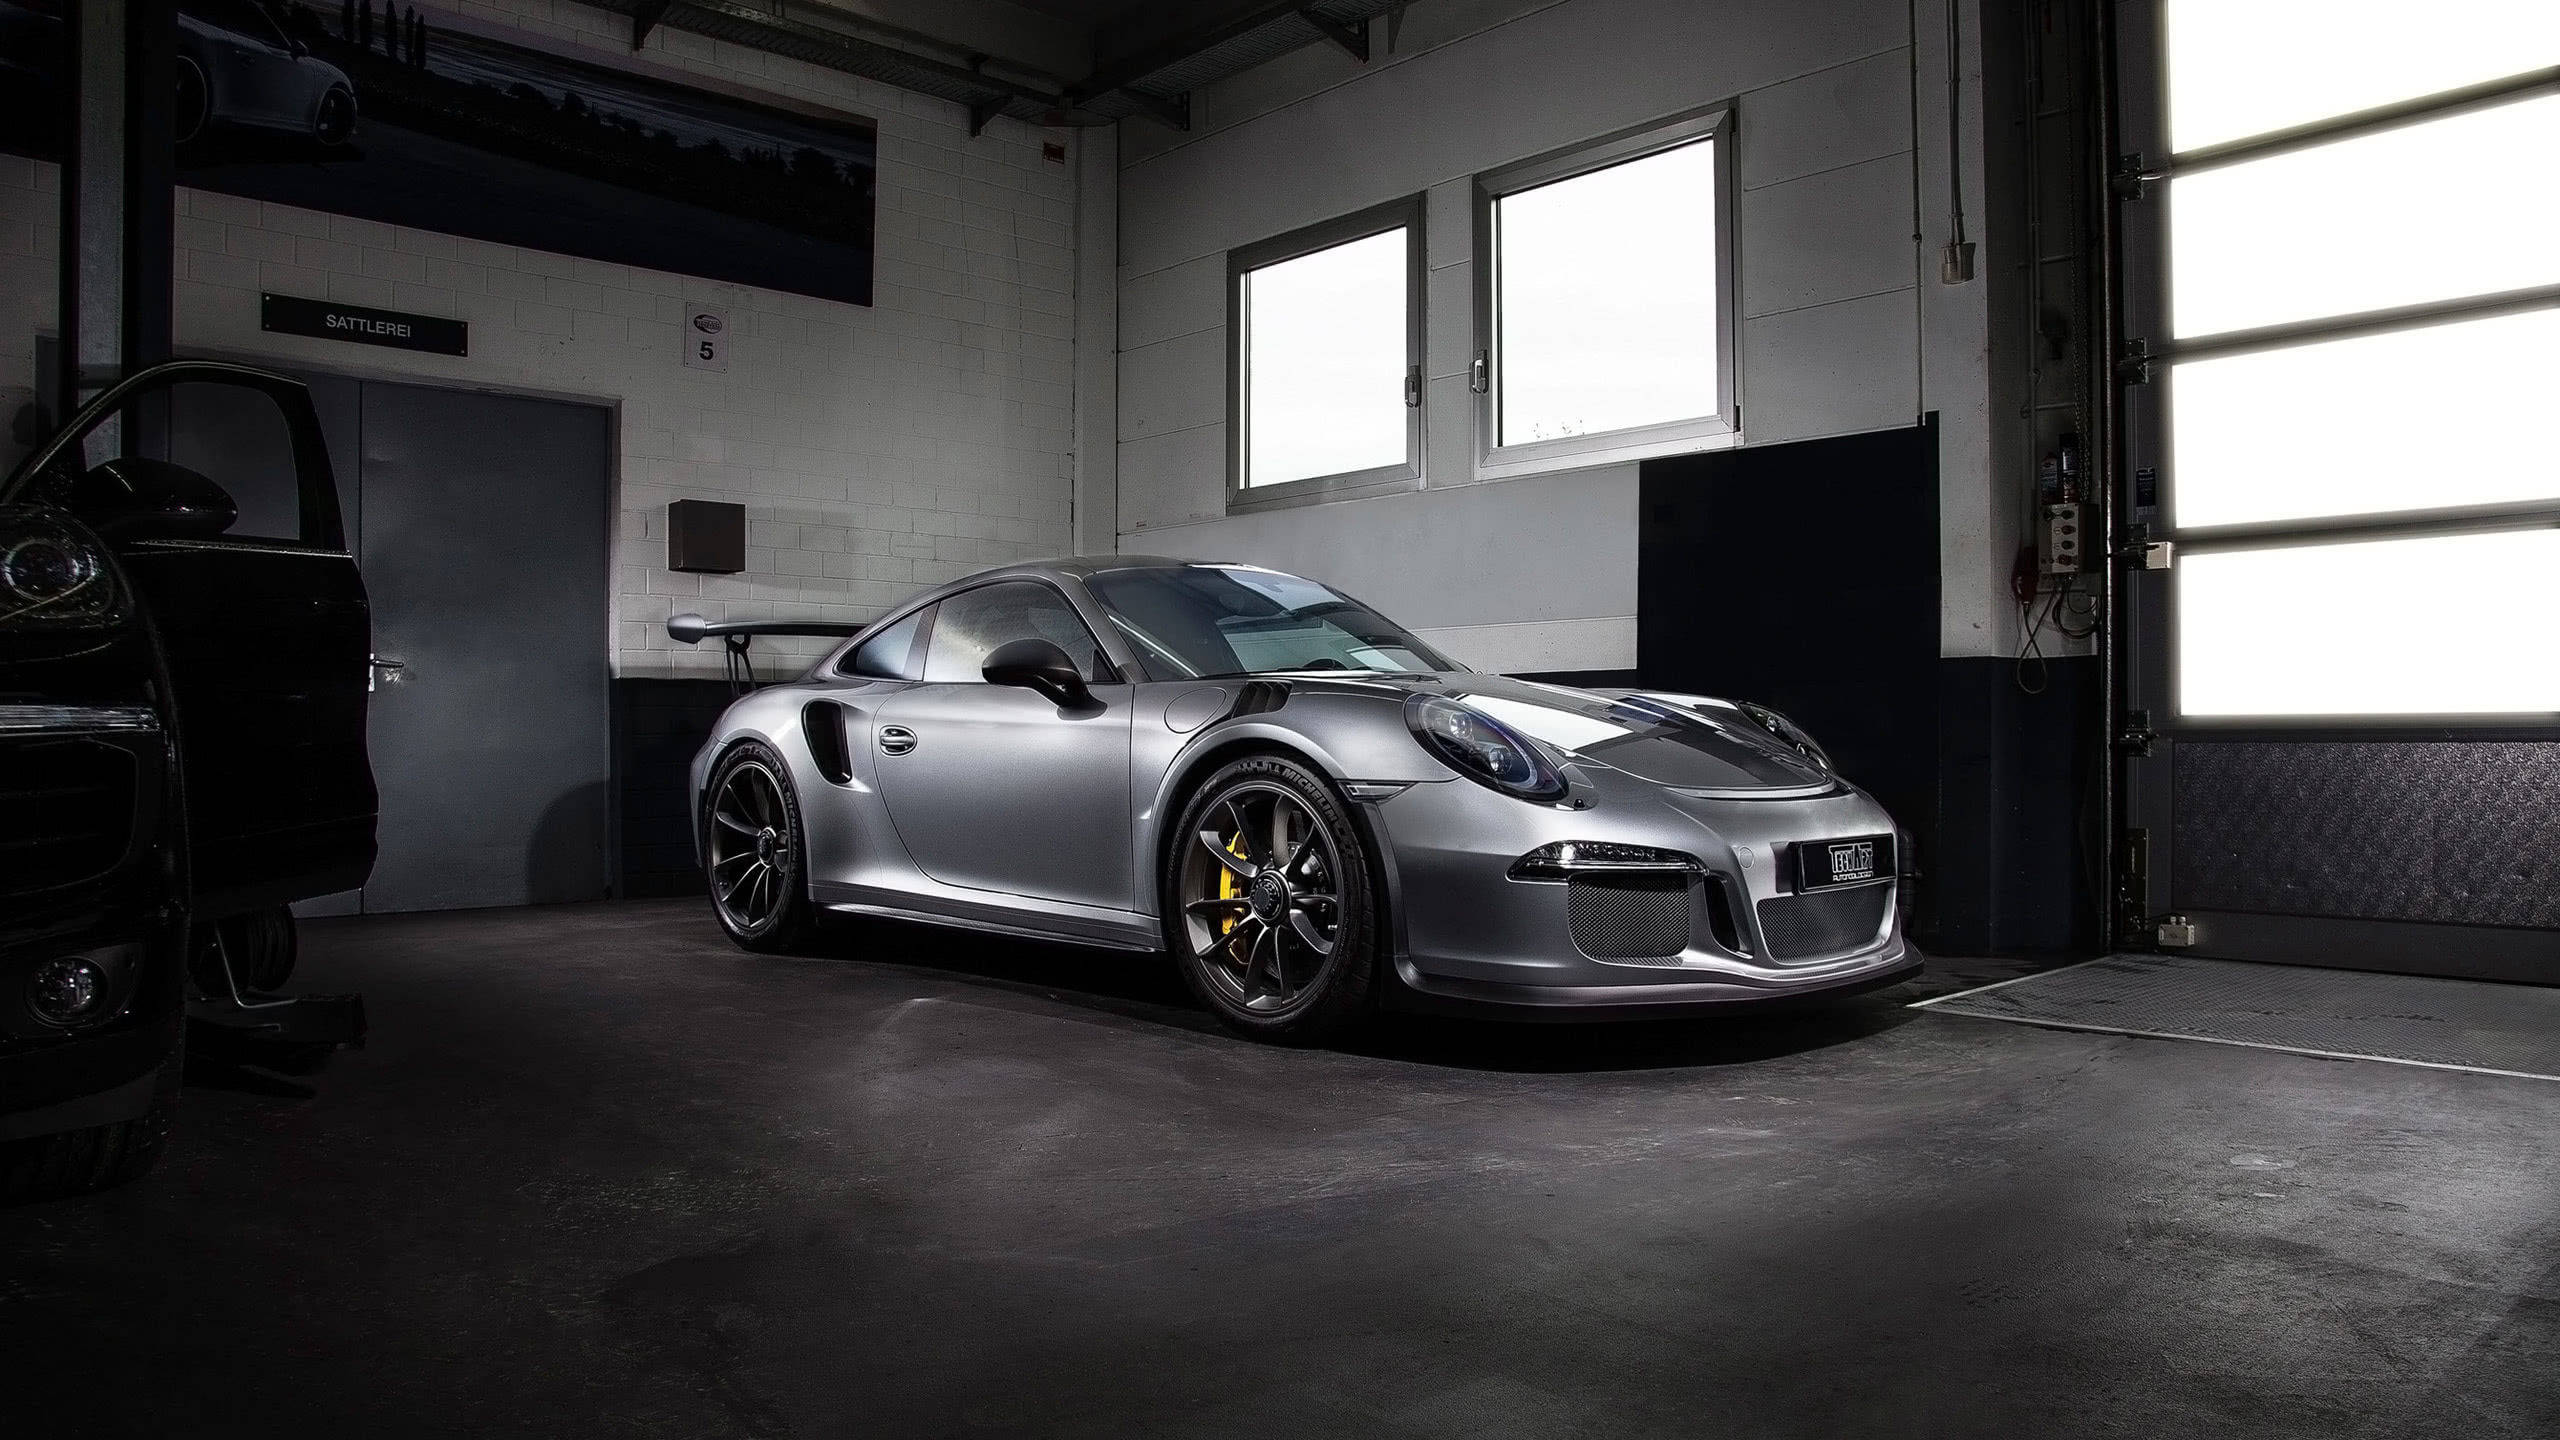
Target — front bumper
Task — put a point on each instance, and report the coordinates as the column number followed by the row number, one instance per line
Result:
column 87, row 786
column 1470, row 936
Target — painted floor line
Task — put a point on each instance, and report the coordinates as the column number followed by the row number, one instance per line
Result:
column 2005, row 984
column 2236, row 1044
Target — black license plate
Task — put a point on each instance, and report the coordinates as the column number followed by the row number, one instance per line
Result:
column 1821, row 863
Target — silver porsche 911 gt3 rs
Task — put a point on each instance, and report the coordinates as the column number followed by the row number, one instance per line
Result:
column 1312, row 809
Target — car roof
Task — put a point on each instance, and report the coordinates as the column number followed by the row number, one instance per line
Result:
column 1079, row 567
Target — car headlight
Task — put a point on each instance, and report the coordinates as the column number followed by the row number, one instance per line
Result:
column 1789, row 734
column 1482, row 748
column 53, row 574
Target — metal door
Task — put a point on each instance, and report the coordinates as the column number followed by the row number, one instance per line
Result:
column 484, row 520
column 2342, row 312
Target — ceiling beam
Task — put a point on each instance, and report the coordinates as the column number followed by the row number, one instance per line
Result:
column 1174, row 111
column 1354, row 39
column 644, row 18
column 1142, row 63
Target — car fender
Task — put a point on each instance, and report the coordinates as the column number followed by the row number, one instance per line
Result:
column 770, row 716
column 1348, row 736
column 318, row 77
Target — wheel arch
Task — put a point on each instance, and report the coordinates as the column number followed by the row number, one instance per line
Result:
column 320, row 98
column 1217, row 750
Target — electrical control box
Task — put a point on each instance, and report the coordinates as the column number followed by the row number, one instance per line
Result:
column 706, row 537
column 2064, row 541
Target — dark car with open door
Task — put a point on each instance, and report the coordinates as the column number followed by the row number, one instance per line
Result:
column 184, row 643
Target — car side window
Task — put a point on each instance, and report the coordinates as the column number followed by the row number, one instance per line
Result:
column 888, row 655
column 973, row 623
column 237, row 16
column 228, row 450
column 236, row 437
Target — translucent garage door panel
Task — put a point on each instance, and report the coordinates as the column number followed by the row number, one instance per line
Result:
column 2457, row 207
column 2245, row 67
column 2418, row 419
column 2447, row 625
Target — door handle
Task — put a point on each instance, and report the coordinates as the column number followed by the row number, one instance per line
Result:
column 896, row 739
column 379, row 672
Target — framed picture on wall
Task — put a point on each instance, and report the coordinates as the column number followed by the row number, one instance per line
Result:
column 419, row 117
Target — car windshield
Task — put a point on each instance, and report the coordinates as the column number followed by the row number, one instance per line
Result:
column 1196, row 622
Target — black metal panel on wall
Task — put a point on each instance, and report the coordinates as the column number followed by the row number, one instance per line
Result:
column 2446, row 832
column 2018, row 867
column 657, row 727
column 1805, row 576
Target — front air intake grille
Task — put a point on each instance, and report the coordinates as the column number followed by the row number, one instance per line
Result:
column 1824, row 922
column 1629, row 917
column 70, row 808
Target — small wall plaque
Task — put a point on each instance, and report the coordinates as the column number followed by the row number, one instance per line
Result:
column 328, row 320
column 706, row 338
column 706, row 537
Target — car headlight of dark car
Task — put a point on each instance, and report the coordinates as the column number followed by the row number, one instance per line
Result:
column 1482, row 748
column 54, row 575
column 1789, row 734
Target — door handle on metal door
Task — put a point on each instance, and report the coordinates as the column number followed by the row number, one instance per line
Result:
column 379, row 672
column 896, row 739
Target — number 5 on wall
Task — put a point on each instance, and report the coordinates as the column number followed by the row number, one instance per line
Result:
column 706, row 338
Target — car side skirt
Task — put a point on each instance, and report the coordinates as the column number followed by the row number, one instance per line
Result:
column 1111, row 930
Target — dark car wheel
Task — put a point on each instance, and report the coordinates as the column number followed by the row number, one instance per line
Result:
column 334, row 123
column 752, row 851
column 1268, row 908
column 193, row 102
column 77, row 1162
column 262, row 947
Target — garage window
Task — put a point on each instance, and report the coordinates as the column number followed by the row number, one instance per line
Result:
column 1325, row 386
column 1604, row 300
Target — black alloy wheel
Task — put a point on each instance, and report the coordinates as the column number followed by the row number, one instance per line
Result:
column 752, row 852
column 1268, row 909
column 192, row 104
column 334, row 123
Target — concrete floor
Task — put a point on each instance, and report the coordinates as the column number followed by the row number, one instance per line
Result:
column 600, row 1174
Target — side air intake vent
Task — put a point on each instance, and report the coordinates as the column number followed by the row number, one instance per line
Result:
column 1258, row 697
column 823, row 722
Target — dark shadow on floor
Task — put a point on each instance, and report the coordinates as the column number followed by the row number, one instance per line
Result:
column 1147, row 988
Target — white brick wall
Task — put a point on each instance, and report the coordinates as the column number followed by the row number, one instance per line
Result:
column 1842, row 326
column 876, row 450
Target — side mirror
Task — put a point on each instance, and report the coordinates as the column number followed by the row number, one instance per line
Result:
column 130, row 498
column 1036, row 664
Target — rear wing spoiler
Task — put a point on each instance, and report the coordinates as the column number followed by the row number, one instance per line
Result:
column 693, row 629
column 737, row 635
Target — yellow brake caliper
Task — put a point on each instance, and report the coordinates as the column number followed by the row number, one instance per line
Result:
column 1228, row 886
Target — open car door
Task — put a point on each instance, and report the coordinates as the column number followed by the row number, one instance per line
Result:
column 211, row 483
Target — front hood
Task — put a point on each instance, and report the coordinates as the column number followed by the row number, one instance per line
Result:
column 1688, row 742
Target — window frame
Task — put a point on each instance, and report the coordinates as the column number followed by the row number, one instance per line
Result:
column 909, row 669
column 1723, row 429
column 1405, row 214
